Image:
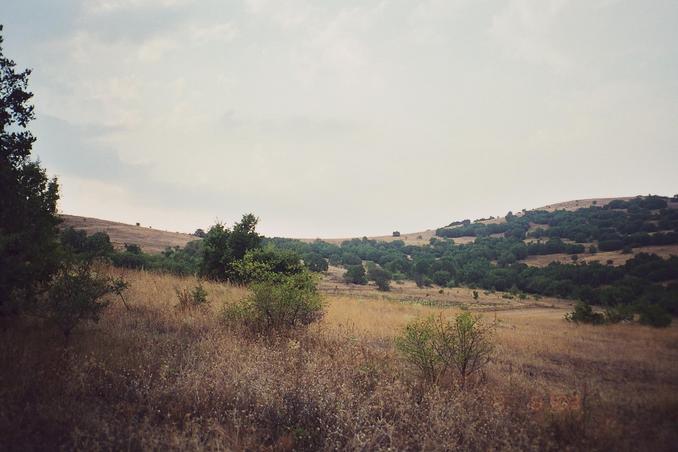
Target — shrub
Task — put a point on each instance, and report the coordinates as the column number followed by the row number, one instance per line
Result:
column 280, row 305
column 262, row 264
column 316, row 263
column 194, row 298
column 381, row 277
column 470, row 347
column 77, row 293
column 583, row 313
column 435, row 346
column 441, row 277
column 620, row 313
column 654, row 315
column 355, row 274
column 133, row 248
column 222, row 247
column 418, row 344
column 475, row 294
column 350, row 259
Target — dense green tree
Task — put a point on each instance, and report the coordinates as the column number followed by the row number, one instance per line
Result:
column 28, row 221
column 442, row 277
column 355, row 274
column 244, row 236
column 381, row 277
column 315, row 262
column 223, row 247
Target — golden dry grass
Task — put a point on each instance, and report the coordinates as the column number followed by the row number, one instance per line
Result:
column 150, row 240
column 157, row 377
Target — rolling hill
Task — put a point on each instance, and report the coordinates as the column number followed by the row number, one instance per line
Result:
column 149, row 239
column 155, row 240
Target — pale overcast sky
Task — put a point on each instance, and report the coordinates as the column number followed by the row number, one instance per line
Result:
column 345, row 118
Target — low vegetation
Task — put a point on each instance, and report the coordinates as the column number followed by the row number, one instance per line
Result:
column 278, row 305
column 435, row 346
column 157, row 377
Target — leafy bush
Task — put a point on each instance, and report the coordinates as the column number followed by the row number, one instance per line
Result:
column 77, row 293
column 381, row 277
column 193, row 298
column 435, row 346
column 315, row 262
column 441, row 277
column 280, row 305
column 355, row 274
column 468, row 344
column 654, row 315
column 222, row 247
column 583, row 313
column 418, row 344
column 263, row 264
column 619, row 313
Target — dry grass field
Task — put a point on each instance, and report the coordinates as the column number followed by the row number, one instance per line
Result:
column 150, row 240
column 156, row 377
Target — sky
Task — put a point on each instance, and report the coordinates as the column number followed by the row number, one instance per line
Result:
column 347, row 118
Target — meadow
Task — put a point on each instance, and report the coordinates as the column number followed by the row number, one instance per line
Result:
column 159, row 377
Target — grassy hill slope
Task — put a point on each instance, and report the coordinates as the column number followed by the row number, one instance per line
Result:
column 150, row 240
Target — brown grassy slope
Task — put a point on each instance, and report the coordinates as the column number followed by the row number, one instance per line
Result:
column 159, row 378
column 150, row 240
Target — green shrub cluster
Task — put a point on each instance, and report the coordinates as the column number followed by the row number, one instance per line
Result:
column 435, row 346
column 280, row 305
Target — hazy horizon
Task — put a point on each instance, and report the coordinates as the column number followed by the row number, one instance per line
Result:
column 347, row 119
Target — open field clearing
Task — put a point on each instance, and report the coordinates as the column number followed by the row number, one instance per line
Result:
column 408, row 292
column 156, row 377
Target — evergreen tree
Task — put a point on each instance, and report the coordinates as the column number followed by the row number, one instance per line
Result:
column 28, row 220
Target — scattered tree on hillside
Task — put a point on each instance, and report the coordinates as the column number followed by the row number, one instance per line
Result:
column 315, row 262
column 355, row 274
column 381, row 277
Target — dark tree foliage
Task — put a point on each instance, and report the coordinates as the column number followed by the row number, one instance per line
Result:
column 382, row 278
column 315, row 262
column 28, row 221
column 97, row 245
column 223, row 247
column 355, row 274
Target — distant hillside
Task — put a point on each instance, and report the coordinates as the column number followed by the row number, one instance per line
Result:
column 150, row 240
column 155, row 241
column 423, row 237
column 615, row 257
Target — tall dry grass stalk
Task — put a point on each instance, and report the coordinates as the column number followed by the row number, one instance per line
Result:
column 158, row 377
